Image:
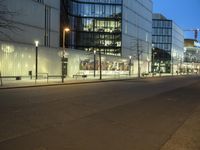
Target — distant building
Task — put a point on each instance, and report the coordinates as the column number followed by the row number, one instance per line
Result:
column 191, row 56
column 192, row 51
column 168, row 45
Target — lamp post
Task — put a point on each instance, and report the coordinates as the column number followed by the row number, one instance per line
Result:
column 100, row 66
column 36, row 59
column 160, row 71
column 189, row 60
column 172, row 59
column 130, row 57
column 153, row 59
column 1, row 79
column 138, row 57
column 198, row 69
column 192, row 67
column 94, row 63
column 148, row 61
column 181, row 64
column 172, row 66
column 63, row 54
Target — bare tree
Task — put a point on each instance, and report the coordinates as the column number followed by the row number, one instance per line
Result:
column 6, row 20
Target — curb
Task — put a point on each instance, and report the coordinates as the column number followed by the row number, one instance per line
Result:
column 64, row 84
column 88, row 82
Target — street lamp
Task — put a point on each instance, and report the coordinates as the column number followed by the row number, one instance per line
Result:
column 36, row 59
column 100, row 65
column 63, row 54
column 148, row 61
column 192, row 67
column 198, row 69
column 1, row 79
column 181, row 64
column 153, row 59
column 160, row 71
column 172, row 62
column 94, row 63
column 187, row 68
column 130, row 57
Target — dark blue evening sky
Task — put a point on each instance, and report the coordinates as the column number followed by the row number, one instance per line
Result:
column 184, row 13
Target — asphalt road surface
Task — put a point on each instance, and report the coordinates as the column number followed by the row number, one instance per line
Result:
column 148, row 114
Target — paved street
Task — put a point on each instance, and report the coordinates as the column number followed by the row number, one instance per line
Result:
column 147, row 114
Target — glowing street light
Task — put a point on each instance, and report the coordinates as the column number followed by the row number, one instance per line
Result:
column 67, row 29
column 172, row 61
column 95, row 63
column 36, row 43
column 148, row 61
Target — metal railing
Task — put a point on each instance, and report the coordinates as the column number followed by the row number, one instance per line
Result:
column 44, row 75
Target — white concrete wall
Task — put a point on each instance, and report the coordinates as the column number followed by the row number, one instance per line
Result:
column 30, row 19
column 17, row 53
column 18, row 59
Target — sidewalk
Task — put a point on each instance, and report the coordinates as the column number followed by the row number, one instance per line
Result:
column 187, row 136
column 12, row 83
column 26, row 82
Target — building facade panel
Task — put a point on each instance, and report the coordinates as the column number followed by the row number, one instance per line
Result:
column 32, row 20
column 111, row 27
column 116, row 28
column 95, row 25
column 137, row 32
column 167, row 40
column 19, row 59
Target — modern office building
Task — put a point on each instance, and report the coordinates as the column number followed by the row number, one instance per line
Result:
column 119, row 30
column 95, row 25
column 30, row 20
column 168, row 45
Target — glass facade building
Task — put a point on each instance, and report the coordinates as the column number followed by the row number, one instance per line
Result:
column 95, row 25
column 137, row 33
column 167, row 40
column 120, row 28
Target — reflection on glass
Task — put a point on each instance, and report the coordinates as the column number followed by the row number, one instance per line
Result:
column 88, row 64
column 95, row 25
